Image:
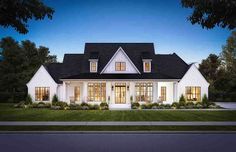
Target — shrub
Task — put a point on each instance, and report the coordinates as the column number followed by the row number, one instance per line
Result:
column 167, row 106
column 146, row 106
column 28, row 100
column 94, row 107
column 43, row 105
column 205, row 102
column 189, row 105
column 175, row 105
column 75, row 107
column 104, row 106
column 135, row 105
column 198, row 105
column 182, row 100
column 54, row 99
column 21, row 104
column 155, row 105
column 61, row 104
column 84, row 106
column 55, row 107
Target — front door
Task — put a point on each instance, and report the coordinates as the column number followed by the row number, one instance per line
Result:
column 120, row 93
column 77, row 93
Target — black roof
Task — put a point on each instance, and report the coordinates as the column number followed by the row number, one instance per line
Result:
column 76, row 66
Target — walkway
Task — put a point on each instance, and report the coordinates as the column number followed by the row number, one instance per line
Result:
column 118, row 123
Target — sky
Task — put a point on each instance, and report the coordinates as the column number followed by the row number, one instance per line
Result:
column 163, row 23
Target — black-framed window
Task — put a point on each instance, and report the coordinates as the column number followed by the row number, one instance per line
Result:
column 120, row 66
column 144, row 92
column 163, row 93
column 42, row 94
column 96, row 91
column 193, row 93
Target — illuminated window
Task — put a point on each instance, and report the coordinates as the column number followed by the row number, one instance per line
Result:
column 193, row 93
column 147, row 66
column 96, row 91
column 42, row 93
column 163, row 93
column 143, row 92
column 120, row 66
column 93, row 66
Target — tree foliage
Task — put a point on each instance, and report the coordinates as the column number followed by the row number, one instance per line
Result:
column 20, row 62
column 220, row 71
column 16, row 13
column 211, row 13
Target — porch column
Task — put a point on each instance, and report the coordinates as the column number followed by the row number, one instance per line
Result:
column 85, row 90
column 64, row 91
column 175, row 98
column 155, row 91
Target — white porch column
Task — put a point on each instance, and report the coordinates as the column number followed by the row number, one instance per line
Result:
column 132, row 90
column 175, row 92
column 64, row 91
column 155, row 91
column 85, row 92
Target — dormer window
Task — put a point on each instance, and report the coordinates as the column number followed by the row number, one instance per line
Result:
column 146, row 66
column 93, row 66
column 120, row 66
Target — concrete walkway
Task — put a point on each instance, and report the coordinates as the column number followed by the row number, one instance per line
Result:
column 118, row 123
column 227, row 105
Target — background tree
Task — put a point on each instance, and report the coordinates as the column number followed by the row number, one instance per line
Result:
column 209, row 13
column 16, row 13
column 20, row 62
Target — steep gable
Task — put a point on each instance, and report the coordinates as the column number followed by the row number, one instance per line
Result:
column 120, row 56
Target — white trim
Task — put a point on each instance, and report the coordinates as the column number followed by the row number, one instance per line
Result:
column 198, row 72
column 90, row 67
column 120, row 49
column 38, row 71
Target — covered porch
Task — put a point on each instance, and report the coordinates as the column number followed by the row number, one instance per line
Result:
column 118, row 94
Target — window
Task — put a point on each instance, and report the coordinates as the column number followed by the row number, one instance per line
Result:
column 93, row 66
column 120, row 66
column 143, row 92
column 96, row 91
column 42, row 93
column 163, row 93
column 193, row 93
column 147, row 66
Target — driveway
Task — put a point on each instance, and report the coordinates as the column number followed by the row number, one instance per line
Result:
column 227, row 105
column 118, row 142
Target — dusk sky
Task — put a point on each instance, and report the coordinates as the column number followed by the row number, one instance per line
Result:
column 162, row 22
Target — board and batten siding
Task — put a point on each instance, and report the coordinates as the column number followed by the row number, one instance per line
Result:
column 193, row 77
column 42, row 79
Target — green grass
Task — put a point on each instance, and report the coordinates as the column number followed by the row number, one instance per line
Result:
column 117, row 128
column 8, row 113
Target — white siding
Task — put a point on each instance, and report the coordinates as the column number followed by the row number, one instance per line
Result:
column 120, row 56
column 42, row 79
column 193, row 78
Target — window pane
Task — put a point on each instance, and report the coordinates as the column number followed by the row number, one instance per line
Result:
column 96, row 91
column 143, row 92
column 42, row 93
column 120, row 66
column 163, row 93
column 193, row 93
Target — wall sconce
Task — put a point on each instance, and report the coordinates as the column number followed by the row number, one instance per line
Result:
column 128, row 88
column 112, row 88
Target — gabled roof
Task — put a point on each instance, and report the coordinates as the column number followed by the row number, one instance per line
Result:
column 76, row 66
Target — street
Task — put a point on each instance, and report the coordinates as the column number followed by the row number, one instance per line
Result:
column 190, row 142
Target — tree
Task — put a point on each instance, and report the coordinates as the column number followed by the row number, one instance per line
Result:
column 20, row 63
column 16, row 13
column 209, row 13
column 209, row 67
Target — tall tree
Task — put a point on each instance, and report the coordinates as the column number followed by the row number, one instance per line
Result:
column 209, row 13
column 20, row 62
column 16, row 13
column 209, row 67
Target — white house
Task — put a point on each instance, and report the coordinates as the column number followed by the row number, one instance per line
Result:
column 118, row 73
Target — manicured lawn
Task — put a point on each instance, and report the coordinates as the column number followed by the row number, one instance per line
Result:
column 8, row 113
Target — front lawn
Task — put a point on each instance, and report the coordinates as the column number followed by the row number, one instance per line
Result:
column 8, row 113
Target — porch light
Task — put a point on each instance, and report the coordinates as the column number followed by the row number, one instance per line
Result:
column 112, row 88
column 128, row 87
